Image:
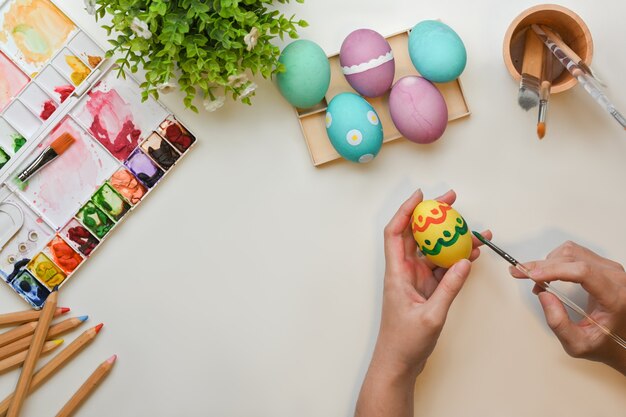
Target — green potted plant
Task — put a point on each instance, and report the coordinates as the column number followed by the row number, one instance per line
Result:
column 210, row 48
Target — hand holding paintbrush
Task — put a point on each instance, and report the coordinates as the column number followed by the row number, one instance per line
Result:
column 603, row 279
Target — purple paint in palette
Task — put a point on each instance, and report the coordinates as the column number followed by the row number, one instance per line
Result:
column 143, row 168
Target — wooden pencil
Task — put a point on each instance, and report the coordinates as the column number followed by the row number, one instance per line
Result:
column 21, row 317
column 54, row 332
column 15, row 361
column 55, row 364
column 19, row 332
column 88, row 387
column 39, row 338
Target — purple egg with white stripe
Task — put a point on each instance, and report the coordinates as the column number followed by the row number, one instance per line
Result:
column 367, row 62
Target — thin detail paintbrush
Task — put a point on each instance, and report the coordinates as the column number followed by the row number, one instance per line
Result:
column 562, row 297
column 570, row 53
column 544, row 93
column 589, row 83
column 56, row 148
column 528, row 94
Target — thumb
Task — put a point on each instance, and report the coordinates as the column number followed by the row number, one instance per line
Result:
column 449, row 286
column 556, row 316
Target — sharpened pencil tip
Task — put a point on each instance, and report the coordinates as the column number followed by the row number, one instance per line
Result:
column 541, row 130
column 99, row 327
column 58, row 341
column 112, row 359
column 56, row 288
column 65, row 310
column 83, row 318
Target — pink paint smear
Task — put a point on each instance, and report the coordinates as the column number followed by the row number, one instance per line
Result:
column 113, row 123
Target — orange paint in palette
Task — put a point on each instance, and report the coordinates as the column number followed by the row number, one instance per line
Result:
column 121, row 152
column 44, row 57
column 63, row 255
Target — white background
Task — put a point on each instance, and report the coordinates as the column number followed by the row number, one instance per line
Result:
column 249, row 283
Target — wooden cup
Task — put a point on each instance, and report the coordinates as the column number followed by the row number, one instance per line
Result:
column 567, row 24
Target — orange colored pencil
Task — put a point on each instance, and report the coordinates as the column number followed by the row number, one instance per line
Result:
column 21, row 317
column 88, row 387
column 55, row 331
column 15, row 361
column 39, row 338
column 18, row 333
column 55, row 364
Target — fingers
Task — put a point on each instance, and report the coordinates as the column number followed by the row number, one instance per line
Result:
column 402, row 218
column 394, row 242
column 596, row 281
column 573, row 251
column 448, row 288
column 449, row 197
column 570, row 335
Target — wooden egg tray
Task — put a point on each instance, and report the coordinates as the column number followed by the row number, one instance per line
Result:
column 312, row 120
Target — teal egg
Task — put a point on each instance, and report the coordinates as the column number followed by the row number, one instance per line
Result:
column 436, row 51
column 353, row 127
column 307, row 73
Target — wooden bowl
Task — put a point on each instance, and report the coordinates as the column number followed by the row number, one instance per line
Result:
column 567, row 24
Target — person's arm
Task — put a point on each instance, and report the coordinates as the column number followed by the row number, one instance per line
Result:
column 416, row 300
column 605, row 281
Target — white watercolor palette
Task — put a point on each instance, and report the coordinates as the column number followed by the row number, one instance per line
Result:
column 123, row 149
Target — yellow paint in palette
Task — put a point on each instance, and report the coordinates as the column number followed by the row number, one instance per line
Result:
column 46, row 271
column 37, row 29
column 80, row 71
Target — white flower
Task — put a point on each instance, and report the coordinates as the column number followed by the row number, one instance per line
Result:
column 251, row 88
column 237, row 80
column 167, row 87
column 90, row 6
column 251, row 39
column 212, row 105
column 140, row 28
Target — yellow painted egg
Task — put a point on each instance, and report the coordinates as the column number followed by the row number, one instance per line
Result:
column 442, row 235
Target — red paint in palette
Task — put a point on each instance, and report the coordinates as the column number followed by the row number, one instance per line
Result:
column 64, row 91
column 113, row 116
column 49, row 107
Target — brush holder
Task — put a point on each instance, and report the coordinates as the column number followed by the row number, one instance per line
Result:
column 567, row 24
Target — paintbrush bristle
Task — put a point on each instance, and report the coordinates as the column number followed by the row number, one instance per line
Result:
column 541, row 130
column 528, row 95
column 63, row 142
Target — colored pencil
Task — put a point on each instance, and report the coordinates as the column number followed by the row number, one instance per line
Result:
column 15, row 361
column 55, row 364
column 39, row 338
column 21, row 317
column 55, row 331
column 88, row 387
column 19, row 332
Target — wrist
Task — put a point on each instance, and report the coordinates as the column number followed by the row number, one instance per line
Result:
column 389, row 365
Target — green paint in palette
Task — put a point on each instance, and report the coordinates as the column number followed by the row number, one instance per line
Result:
column 109, row 201
column 4, row 157
column 95, row 220
column 18, row 142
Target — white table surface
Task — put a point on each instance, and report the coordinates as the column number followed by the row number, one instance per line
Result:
column 249, row 284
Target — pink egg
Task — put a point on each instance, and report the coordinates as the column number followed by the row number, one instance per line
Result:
column 367, row 62
column 418, row 109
